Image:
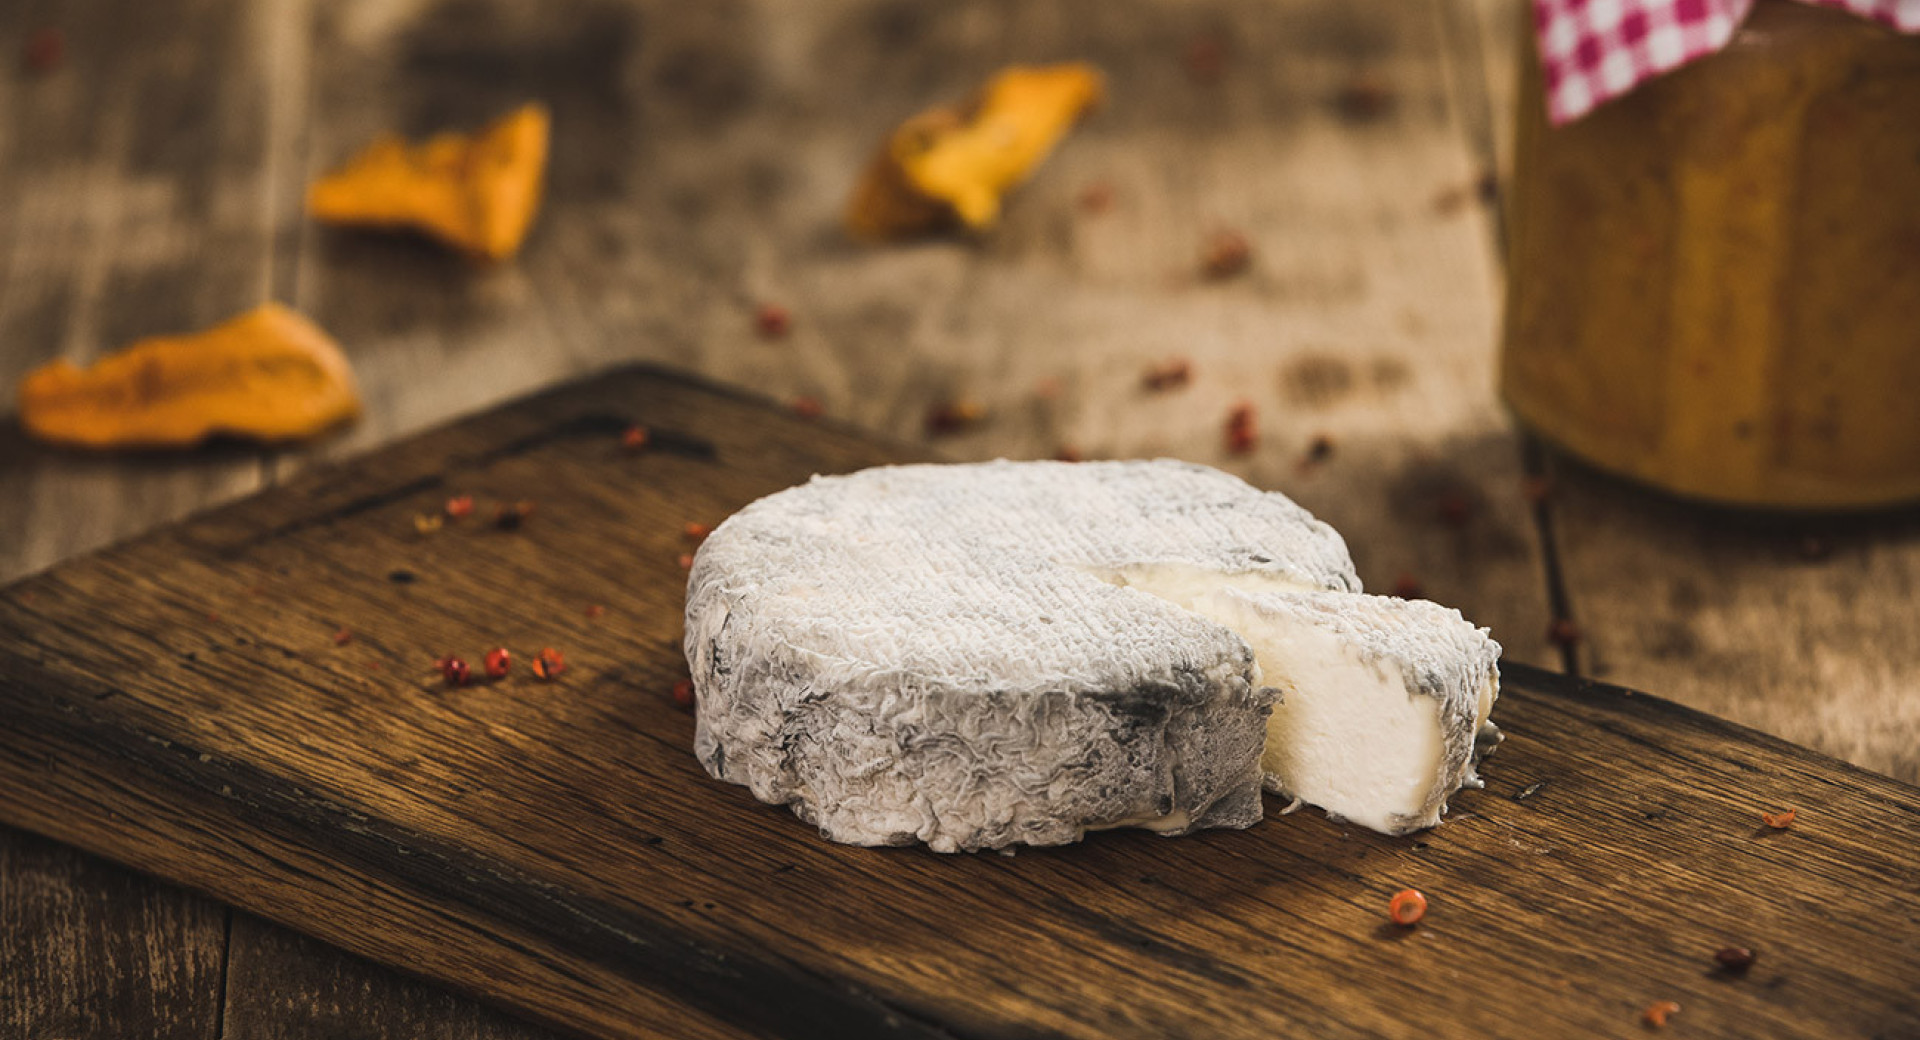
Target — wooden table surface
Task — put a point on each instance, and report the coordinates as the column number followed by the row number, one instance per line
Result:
column 150, row 183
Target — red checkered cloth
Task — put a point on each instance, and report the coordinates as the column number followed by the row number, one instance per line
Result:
column 1593, row 50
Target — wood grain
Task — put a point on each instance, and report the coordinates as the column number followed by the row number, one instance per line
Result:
column 556, row 849
column 90, row 951
column 1710, row 605
column 283, row 986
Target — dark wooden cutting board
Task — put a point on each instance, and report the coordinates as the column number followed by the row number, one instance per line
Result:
column 179, row 704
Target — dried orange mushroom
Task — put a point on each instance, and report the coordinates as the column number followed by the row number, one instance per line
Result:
column 268, row 374
column 475, row 192
column 949, row 165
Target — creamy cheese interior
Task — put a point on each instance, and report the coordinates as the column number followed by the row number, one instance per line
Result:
column 1347, row 734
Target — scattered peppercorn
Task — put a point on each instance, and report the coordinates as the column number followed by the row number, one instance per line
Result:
column 1407, row 907
column 548, row 663
column 1406, row 586
column 1655, row 1016
column 460, row 506
column 1241, row 430
column 342, row 637
column 1364, row 98
column 454, row 671
column 807, row 407
column 498, row 662
column 1453, row 507
column 45, row 50
column 954, row 416
column 1563, row 633
column 1736, row 959
column 594, row 610
column 1536, row 489
column 686, row 561
column 683, row 693
column 1319, row 450
column 1096, row 198
column 510, row 517
column 1067, row 453
column 1488, row 186
column 1168, row 375
column 1205, row 58
column 634, row 438
column 697, row 532
column 1226, row 254
column 401, row 576
column 427, row 523
column 1781, row 820
column 773, row 321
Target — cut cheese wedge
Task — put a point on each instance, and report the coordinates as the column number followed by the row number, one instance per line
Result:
column 1382, row 704
column 978, row 656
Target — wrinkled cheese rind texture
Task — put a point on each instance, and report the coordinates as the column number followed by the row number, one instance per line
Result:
column 930, row 654
column 1324, row 647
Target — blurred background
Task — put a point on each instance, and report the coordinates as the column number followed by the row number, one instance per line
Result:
column 154, row 159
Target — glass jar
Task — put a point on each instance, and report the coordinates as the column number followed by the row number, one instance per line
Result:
column 1714, row 281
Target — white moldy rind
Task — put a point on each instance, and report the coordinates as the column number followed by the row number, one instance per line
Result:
column 925, row 653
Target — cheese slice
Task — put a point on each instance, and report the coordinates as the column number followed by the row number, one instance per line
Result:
column 977, row 656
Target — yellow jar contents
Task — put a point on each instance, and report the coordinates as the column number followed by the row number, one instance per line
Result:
column 1715, row 280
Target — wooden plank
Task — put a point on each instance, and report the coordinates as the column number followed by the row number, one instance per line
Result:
column 95, row 952
column 702, row 154
column 138, row 202
column 284, row 986
column 556, row 848
column 1802, row 628
column 103, row 952
column 132, row 174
